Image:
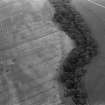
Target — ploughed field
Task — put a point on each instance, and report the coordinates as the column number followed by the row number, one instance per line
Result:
column 30, row 51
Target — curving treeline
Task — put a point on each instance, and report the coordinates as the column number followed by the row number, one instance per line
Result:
column 69, row 20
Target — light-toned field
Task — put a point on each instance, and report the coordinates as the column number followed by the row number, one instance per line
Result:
column 31, row 48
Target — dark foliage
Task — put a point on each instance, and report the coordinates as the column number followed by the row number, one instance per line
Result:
column 71, row 22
